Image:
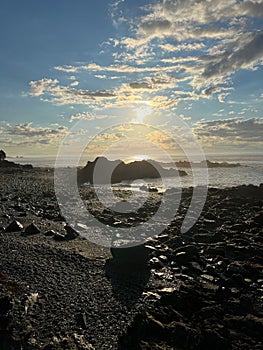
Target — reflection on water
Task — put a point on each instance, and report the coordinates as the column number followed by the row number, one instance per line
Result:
column 250, row 172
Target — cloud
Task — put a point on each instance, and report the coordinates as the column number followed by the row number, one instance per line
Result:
column 231, row 131
column 196, row 45
column 38, row 88
column 27, row 134
column 26, row 130
column 253, row 8
column 66, row 69
column 182, row 47
column 74, row 83
column 66, row 94
column 86, row 116
column 245, row 57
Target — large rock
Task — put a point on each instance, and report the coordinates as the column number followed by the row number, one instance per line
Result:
column 15, row 226
column 123, row 253
column 120, row 171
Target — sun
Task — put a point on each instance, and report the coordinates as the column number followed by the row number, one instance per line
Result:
column 141, row 113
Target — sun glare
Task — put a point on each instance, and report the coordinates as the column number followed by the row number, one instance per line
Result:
column 141, row 113
column 140, row 157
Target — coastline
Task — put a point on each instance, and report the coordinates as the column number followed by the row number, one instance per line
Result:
column 200, row 288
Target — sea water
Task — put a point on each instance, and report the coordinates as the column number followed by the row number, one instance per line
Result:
column 250, row 171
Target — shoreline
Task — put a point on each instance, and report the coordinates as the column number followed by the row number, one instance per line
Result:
column 203, row 287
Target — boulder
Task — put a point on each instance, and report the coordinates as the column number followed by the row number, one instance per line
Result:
column 124, row 253
column 14, row 226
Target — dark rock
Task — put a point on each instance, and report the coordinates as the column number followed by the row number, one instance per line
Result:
column 210, row 216
column 50, row 233
column 71, row 233
column 5, row 304
column 32, row 229
column 59, row 236
column 258, row 218
column 204, row 238
column 15, row 226
column 248, row 324
column 211, row 339
column 121, row 171
column 156, row 263
column 186, row 256
column 124, row 253
column 181, row 334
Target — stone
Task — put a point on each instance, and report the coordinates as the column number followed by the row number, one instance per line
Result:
column 70, row 232
column 59, row 236
column 204, row 238
column 124, row 253
column 258, row 218
column 32, row 229
column 185, row 257
column 211, row 339
column 50, row 233
column 14, row 226
column 156, row 263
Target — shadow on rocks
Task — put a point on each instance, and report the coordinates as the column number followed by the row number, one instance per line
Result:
column 128, row 273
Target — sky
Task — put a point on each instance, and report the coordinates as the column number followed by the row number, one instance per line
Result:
column 175, row 65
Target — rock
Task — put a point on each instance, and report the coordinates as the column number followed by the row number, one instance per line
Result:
column 50, row 233
column 211, row 339
column 182, row 334
column 249, row 324
column 6, row 304
column 184, row 257
column 123, row 253
column 210, row 216
column 71, row 233
column 59, row 236
column 258, row 218
column 32, row 229
column 204, row 238
column 15, row 226
column 156, row 263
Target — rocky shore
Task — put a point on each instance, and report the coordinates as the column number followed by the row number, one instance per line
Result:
column 199, row 290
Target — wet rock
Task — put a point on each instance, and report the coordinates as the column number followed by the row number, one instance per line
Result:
column 185, row 257
column 156, row 263
column 32, row 229
column 14, row 226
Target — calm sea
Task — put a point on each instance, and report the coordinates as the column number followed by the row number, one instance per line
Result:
column 250, row 171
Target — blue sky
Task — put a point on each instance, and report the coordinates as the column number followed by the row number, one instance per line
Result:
column 112, row 62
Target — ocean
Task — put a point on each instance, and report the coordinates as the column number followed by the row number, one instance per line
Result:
column 250, row 172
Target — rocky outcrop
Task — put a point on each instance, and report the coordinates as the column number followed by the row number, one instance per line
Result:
column 12, row 165
column 124, row 172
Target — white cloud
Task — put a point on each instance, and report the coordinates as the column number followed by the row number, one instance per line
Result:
column 74, row 83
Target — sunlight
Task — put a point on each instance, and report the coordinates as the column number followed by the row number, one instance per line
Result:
column 141, row 113
column 140, row 157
